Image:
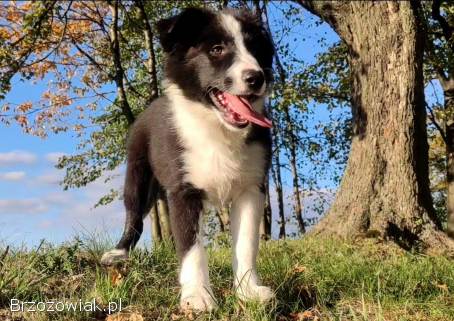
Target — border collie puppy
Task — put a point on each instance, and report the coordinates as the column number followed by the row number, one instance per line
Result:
column 206, row 140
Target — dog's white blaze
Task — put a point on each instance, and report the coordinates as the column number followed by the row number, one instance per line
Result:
column 247, row 211
column 216, row 159
column 243, row 58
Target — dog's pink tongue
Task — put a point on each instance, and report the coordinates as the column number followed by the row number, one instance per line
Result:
column 243, row 107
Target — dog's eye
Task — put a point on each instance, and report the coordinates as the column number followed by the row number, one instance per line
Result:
column 217, row 50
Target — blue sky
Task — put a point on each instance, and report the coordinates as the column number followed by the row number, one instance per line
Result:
column 34, row 206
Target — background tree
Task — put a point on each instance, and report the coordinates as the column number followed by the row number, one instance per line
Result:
column 385, row 188
column 106, row 63
column 85, row 47
column 439, row 63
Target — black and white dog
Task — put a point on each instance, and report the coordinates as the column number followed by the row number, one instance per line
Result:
column 205, row 140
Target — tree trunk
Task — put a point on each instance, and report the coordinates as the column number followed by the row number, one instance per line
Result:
column 223, row 216
column 119, row 72
column 221, row 223
column 291, row 135
column 449, row 111
column 385, row 189
column 267, row 214
column 155, row 226
column 151, row 62
column 297, row 207
column 163, row 212
column 277, row 179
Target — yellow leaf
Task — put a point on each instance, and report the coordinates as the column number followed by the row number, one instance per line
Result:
column 299, row 269
column 116, row 278
column 308, row 315
column 124, row 317
column 442, row 287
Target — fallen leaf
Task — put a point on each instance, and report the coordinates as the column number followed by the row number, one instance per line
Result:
column 189, row 314
column 124, row 317
column 308, row 315
column 298, row 316
column 299, row 269
column 175, row 317
column 442, row 287
column 116, row 278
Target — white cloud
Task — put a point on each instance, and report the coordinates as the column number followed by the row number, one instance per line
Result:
column 60, row 198
column 23, row 206
column 54, row 157
column 92, row 193
column 51, row 178
column 12, row 176
column 17, row 157
column 45, row 224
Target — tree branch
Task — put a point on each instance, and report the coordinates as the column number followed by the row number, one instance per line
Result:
column 148, row 35
column 18, row 64
column 119, row 72
column 433, row 119
column 445, row 27
column 60, row 41
column 327, row 10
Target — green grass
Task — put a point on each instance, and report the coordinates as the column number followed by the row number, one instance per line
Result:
column 336, row 281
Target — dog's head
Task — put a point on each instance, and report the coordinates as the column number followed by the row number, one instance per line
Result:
column 221, row 59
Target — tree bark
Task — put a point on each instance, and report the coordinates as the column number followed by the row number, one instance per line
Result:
column 155, row 226
column 291, row 135
column 385, row 189
column 151, row 62
column 292, row 147
column 267, row 215
column 223, row 216
column 163, row 212
column 297, row 207
column 448, row 90
column 277, row 179
column 119, row 72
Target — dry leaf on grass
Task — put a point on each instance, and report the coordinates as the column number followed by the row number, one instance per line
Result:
column 183, row 315
column 116, row 277
column 124, row 317
column 299, row 269
column 308, row 315
column 175, row 317
column 442, row 287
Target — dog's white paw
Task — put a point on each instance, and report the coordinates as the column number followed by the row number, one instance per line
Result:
column 254, row 292
column 114, row 256
column 197, row 299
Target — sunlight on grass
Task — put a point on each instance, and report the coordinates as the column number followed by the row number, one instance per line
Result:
column 325, row 279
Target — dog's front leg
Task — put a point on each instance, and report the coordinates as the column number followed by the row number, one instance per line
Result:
column 186, row 206
column 247, row 210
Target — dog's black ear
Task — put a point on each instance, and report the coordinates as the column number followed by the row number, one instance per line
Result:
column 184, row 28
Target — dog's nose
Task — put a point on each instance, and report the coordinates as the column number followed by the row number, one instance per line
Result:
column 253, row 78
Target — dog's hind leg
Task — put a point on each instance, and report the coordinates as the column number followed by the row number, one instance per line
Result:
column 140, row 193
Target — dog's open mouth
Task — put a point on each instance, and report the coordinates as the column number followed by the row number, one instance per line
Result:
column 237, row 110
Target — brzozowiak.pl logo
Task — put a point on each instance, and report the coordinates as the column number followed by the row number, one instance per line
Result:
column 60, row 306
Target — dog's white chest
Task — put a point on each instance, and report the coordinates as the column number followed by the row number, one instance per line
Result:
column 215, row 159
column 223, row 171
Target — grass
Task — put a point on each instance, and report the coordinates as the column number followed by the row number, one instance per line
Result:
column 314, row 279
